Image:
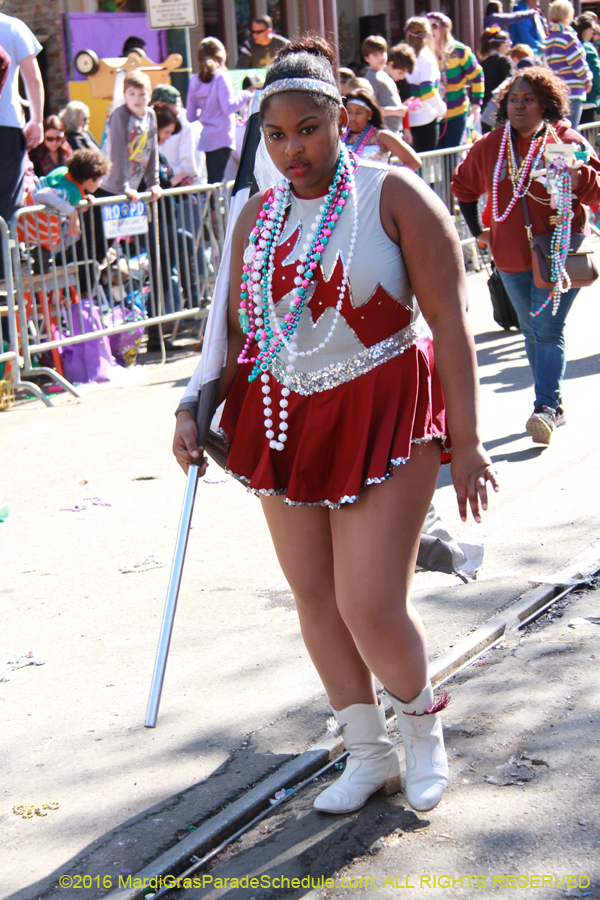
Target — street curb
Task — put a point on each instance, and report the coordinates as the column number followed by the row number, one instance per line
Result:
column 235, row 815
column 493, row 629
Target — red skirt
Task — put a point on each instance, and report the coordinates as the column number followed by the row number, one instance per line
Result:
column 339, row 440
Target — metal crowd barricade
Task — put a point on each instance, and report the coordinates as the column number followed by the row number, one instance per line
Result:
column 74, row 290
column 437, row 170
column 591, row 131
column 439, row 165
column 10, row 358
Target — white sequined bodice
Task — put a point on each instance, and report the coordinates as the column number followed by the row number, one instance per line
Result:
column 378, row 287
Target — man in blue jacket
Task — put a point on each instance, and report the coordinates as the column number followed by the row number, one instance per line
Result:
column 529, row 31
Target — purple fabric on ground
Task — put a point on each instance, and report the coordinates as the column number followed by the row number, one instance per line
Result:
column 90, row 360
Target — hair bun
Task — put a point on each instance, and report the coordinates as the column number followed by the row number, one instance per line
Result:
column 310, row 43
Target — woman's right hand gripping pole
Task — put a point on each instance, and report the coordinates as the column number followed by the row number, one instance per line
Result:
column 185, row 446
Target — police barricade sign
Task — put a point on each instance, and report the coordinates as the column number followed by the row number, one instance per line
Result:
column 124, row 219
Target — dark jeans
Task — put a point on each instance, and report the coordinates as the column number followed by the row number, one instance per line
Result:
column 175, row 244
column 575, row 111
column 544, row 334
column 98, row 247
column 452, row 132
column 13, row 163
column 424, row 137
column 216, row 163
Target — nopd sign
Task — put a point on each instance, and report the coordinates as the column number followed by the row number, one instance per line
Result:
column 124, row 219
column 171, row 13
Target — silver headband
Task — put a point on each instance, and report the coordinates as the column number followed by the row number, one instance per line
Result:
column 350, row 100
column 314, row 85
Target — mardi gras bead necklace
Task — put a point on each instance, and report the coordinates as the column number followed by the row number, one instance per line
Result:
column 561, row 236
column 521, row 183
column 257, row 312
column 362, row 140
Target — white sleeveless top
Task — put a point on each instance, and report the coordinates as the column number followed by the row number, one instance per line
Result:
column 378, row 287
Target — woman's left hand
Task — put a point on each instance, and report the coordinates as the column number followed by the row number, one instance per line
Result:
column 471, row 470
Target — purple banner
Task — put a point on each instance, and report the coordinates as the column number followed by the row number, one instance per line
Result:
column 105, row 33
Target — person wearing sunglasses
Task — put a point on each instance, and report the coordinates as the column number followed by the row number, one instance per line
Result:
column 54, row 151
column 262, row 46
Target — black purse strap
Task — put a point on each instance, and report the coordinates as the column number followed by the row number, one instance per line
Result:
column 528, row 227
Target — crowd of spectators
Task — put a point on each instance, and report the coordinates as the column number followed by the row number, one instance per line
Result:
column 441, row 87
column 429, row 91
column 425, row 93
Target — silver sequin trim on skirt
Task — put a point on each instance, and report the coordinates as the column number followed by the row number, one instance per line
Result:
column 330, row 504
column 332, row 376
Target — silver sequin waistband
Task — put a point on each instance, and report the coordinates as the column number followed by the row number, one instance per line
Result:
column 339, row 373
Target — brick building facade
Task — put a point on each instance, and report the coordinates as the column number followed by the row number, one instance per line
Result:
column 45, row 20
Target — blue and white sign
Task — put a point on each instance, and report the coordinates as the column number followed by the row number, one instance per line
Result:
column 124, row 219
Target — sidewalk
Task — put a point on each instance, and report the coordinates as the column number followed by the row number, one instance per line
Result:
column 240, row 695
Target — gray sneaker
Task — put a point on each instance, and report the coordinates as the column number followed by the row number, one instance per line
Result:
column 541, row 424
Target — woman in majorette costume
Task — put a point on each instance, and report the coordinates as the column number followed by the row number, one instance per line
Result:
column 366, row 138
column 335, row 414
column 532, row 113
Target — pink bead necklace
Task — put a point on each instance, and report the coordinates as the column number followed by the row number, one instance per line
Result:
column 256, row 313
column 521, row 185
column 561, row 238
column 362, row 140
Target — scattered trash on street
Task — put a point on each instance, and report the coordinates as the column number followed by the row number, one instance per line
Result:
column 280, row 795
column 144, row 565
column 519, row 769
column 19, row 662
column 37, row 808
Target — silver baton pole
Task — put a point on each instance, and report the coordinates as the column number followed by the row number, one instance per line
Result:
column 244, row 184
column 205, row 412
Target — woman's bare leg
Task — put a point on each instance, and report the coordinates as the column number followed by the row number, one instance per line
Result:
column 302, row 539
column 375, row 545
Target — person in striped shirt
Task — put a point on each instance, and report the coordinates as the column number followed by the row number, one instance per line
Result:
column 566, row 57
column 461, row 75
column 427, row 106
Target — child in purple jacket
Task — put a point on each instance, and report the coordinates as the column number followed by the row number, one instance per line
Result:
column 211, row 99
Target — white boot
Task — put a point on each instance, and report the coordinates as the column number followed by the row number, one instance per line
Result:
column 373, row 763
column 426, row 762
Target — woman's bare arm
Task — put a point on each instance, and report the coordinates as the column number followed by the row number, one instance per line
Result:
column 418, row 221
column 394, row 144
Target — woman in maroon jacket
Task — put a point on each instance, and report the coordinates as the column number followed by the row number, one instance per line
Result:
column 532, row 110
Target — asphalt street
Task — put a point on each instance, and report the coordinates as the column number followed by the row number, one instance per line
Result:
column 83, row 591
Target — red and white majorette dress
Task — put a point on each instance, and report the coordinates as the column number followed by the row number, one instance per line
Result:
column 356, row 405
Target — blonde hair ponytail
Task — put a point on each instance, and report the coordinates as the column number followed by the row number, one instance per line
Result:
column 211, row 56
